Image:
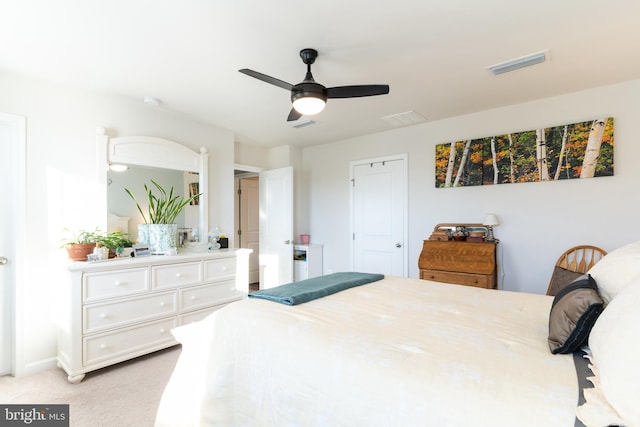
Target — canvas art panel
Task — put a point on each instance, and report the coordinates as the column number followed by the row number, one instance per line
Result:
column 570, row 151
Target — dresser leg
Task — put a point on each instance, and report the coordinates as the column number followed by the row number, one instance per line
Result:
column 75, row 379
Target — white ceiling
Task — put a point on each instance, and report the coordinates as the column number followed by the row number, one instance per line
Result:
column 432, row 53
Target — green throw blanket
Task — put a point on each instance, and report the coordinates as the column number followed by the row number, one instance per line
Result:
column 318, row 287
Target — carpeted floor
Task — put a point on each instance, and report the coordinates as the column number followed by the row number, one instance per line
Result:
column 122, row 395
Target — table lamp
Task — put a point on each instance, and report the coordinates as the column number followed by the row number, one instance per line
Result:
column 491, row 220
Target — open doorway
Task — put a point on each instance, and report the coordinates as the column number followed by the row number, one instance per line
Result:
column 247, row 218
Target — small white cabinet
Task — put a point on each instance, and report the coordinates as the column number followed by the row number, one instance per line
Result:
column 120, row 309
column 307, row 260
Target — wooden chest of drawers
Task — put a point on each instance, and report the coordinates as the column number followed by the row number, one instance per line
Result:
column 463, row 263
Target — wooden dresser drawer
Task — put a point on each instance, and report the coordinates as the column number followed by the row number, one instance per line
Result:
column 219, row 269
column 107, row 284
column 173, row 275
column 129, row 342
column 207, row 295
column 463, row 263
column 477, row 280
column 461, row 257
column 97, row 317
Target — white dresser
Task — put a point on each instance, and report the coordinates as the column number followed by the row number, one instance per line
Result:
column 120, row 309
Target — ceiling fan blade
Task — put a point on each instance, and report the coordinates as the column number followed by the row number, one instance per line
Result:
column 357, row 91
column 267, row 79
column 293, row 115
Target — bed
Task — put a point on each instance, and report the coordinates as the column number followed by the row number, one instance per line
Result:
column 411, row 352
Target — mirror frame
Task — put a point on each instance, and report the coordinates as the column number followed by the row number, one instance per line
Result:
column 160, row 153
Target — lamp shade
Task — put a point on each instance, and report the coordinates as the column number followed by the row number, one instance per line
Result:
column 309, row 105
column 491, row 220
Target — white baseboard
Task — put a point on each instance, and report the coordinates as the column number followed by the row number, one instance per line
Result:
column 33, row 367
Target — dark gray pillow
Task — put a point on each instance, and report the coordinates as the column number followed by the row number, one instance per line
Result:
column 574, row 311
column 560, row 278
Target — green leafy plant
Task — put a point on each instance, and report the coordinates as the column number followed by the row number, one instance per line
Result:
column 163, row 208
column 112, row 240
column 80, row 237
column 115, row 240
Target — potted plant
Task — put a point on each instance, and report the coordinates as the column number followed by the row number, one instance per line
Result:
column 80, row 243
column 116, row 241
column 160, row 230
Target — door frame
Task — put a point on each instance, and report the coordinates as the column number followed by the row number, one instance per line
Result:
column 243, row 171
column 404, row 158
column 16, row 254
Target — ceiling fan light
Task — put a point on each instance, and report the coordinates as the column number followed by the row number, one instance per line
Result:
column 309, row 105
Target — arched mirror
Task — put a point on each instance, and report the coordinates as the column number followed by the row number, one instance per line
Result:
column 142, row 159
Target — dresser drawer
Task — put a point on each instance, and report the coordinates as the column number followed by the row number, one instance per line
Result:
column 97, row 317
column 477, row 280
column 173, row 275
column 219, row 269
column 459, row 257
column 107, row 284
column 130, row 342
column 207, row 295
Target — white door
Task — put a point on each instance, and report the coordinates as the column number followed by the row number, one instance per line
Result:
column 12, row 146
column 249, row 220
column 276, row 227
column 379, row 206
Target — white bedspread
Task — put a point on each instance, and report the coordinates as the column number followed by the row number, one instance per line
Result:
column 398, row 352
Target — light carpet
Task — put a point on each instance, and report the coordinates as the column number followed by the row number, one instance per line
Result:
column 122, row 395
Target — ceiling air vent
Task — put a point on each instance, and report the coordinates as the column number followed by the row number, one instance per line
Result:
column 407, row 118
column 301, row 123
column 516, row 64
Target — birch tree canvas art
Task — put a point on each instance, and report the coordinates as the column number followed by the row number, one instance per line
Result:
column 578, row 150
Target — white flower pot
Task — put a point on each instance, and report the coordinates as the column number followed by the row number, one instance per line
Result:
column 161, row 238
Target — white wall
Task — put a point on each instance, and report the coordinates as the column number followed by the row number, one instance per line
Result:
column 538, row 220
column 62, row 183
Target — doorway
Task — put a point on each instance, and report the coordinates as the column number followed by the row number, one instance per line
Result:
column 12, row 226
column 247, row 221
column 379, row 215
column 247, row 216
column 269, row 223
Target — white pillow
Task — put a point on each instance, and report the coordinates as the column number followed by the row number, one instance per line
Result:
column 615, row 345
column 616, row 269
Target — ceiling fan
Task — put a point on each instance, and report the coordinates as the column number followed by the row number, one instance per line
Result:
column 309, row 97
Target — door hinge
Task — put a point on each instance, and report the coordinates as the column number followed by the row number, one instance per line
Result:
column 239, row 232
column 239, row 191
column 353, row 182
column 353, row 236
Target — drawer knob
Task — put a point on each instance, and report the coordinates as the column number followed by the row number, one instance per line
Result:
column 224, row 268
column 117, row 283
column 162, row 330
column 178, row 275
column 103, row 346
column 103, row 315
column 162, row 303
column 432, row 277
column 193, row 297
